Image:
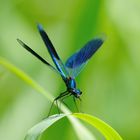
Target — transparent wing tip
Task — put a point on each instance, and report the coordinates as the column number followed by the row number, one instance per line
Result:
column 102, row 37
column 40, row 27
column 20, row 42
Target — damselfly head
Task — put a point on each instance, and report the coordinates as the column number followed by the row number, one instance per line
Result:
column 77, row 92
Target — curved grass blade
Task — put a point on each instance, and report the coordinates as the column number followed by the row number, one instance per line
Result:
column 23, row 76
column 107, row 131
column 35, row 132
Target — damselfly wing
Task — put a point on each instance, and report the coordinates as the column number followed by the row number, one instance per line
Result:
column 74, row 64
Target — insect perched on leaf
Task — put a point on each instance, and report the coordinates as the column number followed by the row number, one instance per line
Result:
column 73, row 65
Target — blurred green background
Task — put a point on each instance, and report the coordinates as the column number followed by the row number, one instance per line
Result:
column 110, row 81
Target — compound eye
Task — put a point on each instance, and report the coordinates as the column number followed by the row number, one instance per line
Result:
column 73, row 90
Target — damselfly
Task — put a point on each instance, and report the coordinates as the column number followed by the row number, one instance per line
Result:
column 72, row 67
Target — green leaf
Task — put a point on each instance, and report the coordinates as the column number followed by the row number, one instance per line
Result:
column 85, row 133
column 107, row 131
column 35, row 132
column 23, row 76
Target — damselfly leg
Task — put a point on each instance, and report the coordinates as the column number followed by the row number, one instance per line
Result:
column 63, row 94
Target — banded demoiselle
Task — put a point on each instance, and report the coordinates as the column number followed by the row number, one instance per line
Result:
column 72, row 67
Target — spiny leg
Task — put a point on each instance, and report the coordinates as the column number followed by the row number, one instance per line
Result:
column 51, row 108
column 75, row 104
column 62, row 99
column 55, row 100
column 62, row 95
column 80, row 100
column 57, row 107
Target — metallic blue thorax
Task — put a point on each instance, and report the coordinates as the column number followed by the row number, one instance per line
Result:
column 71, row 83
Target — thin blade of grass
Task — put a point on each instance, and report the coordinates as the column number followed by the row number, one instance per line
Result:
column 107, row 131
column 84, row 134
column 35, row 132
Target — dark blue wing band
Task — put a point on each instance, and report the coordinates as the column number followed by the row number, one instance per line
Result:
column 35, row 54
column 57, row 61
column 47, row 42
column 84, row 54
